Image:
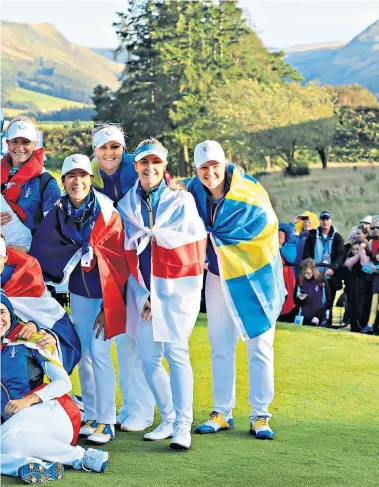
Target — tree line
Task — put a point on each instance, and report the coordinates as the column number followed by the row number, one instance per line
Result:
column 197, row 70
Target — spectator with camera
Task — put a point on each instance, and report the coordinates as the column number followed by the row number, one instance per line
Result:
column 358, row 286
column 326, row 247
column 303, row 224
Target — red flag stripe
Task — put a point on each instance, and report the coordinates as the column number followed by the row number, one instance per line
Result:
column 185, row 261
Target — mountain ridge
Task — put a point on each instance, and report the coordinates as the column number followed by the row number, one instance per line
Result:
column 356, row 62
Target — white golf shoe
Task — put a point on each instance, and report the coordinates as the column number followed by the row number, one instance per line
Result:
column 162, row 432
column 181, row 438
column 133, row 423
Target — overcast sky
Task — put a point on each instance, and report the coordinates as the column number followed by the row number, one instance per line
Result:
column 279, row 23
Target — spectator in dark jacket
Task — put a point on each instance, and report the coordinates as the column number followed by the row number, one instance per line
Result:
column 311, row 294
column 326, row 247
column 358, row 286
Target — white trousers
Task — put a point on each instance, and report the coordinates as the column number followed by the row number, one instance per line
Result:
column 173, row 394
column 40, row 433
column 223, row 337
column 96, row 370
column 137, row 398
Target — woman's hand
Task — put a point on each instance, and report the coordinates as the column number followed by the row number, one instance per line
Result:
column 27, row 330
column 5, row 217
column 48, row 340
column 100, row 324
column 15, row 405
column 146, row 312
column 302, row 296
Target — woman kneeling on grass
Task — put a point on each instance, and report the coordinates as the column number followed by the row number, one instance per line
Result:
column 82, row 241
column 41, row 422
column 165, row 247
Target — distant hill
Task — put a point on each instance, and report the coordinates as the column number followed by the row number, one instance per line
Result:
column 110, row 54
column 38, row 58
column 354, row 62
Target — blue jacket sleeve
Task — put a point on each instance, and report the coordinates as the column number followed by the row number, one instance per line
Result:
column 288, row 252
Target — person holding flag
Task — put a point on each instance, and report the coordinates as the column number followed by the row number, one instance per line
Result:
column 81, row 241
column 165, row 246
column 114, row 175
column 21, row 279
column 40, row 422
column 244, row 287
column 27, row 187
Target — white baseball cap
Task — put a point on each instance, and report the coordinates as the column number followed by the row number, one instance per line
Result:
column 77, row 161
column 209, row 150
column 22, row 128
column 3, row 249
column 108, row 134
column 366, row 219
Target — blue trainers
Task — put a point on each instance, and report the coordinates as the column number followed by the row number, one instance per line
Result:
column 93, row 461
column 367, row 329
column 215, row 423
column 35, row 473
column 102, row 434
column 260, row 428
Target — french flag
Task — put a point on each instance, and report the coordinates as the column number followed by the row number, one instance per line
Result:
column 178, row 243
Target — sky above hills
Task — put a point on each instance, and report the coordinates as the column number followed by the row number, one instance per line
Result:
column 279, row 23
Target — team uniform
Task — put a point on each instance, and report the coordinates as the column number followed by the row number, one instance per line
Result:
column 165, row 247
column 137, row 410
column 30, row 191
column 244, row 292
column 84, row 247
column 22, row 280
column 36, row 438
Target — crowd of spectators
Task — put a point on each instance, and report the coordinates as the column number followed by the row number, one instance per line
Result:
column 318, row 265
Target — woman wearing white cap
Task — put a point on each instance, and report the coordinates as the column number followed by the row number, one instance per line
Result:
column 81, row 242
column 244, row 289
column 114, row 175
column 28, row 189
column 165, row 247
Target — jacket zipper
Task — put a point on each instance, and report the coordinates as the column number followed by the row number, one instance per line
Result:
column 81, row 268
column 115, row 190
column 6, row 391
column 214, row 213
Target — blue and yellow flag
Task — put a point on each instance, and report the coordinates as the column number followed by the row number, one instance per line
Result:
column 245, row 237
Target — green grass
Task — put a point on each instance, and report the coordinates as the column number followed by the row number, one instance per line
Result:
column 325, row 418
column 349, row 193
column 42, row 101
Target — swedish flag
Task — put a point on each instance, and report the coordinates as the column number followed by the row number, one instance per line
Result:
column 245, row 236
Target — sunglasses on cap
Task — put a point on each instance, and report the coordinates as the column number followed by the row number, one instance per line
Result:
column 105, row 124
column 374, row 228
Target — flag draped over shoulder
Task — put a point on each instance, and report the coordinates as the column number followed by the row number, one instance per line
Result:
column 59, row 248
column 245, row 236
column 33, row 302
column 178, row 242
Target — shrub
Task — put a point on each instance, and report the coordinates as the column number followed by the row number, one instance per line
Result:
column 295, row 170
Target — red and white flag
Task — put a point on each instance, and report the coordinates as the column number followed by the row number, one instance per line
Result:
column 178, row 243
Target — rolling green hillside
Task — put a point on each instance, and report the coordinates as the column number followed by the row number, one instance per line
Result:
column 355, row 62
column 349, row 192
column 37, row 57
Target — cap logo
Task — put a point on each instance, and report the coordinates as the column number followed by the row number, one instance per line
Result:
column 21, row 125
column 205, row 147
column 109, row 132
